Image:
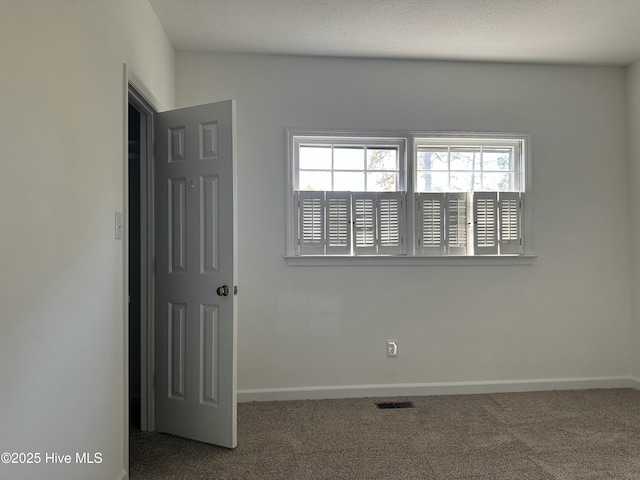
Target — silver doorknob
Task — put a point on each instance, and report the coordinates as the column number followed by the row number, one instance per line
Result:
column 223, row 291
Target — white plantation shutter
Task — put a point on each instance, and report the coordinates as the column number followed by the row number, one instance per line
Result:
column 364, row 223
column 485, row 206
column 338, row 222
column 456, row 211
column 441, row 222
column 391, row 215
column 335, row 223
column 510, row 220
column 310, row 225
column 430, row 223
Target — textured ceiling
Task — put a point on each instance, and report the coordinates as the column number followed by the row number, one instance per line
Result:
column 547, row 31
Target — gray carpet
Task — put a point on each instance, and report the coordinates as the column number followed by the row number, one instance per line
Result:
column 579, row 434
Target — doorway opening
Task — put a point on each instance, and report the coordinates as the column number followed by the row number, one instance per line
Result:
column 206, row 132
column 135, row 362
column 140, row 251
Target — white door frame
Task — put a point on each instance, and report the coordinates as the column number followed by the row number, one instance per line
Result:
column 136, row 93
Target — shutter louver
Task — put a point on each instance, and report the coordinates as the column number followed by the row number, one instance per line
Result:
column 311, row 237
column 430, row 225
column 510, row 208
column 338, row 223
column 390, row 222
column 457, row 223
column 364, row 219
column 485, row 223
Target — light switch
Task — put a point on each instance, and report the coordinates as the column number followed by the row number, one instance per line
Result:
column 119, row 226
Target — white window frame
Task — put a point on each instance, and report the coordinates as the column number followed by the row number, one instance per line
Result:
column 408, row 142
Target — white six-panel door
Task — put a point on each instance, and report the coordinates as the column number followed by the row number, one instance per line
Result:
column 195, row 315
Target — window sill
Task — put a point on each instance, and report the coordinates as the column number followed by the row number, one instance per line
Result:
column 407, row 260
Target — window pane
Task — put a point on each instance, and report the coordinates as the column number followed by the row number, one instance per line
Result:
column 315, row 158
column 432, row 182
column 348, row 158
column 348, row 181
column 497, row 159
column 382, row 182
column 382, row 159
column 465, row 182
column 465, row 158
column 314, row 180
column 435, row 158
column 498, row 182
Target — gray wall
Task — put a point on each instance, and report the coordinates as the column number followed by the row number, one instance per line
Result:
column 566, row 317
column 61, row 270
column 633, row 91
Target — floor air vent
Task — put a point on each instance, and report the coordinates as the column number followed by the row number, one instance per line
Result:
column 382, row 405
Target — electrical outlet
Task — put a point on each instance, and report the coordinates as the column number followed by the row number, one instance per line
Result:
column 392, row 348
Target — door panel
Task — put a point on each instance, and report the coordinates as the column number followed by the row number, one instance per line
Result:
column 177, row 350
column 209, row 247
column 195, row 328
column 209, row 333
column 177, row 224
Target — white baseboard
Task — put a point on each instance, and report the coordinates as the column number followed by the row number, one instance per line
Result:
column 427, row 389
column 634, row 383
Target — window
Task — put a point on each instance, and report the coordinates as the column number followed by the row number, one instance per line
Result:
column 348, row 167
column 349, row 195
column 469, row 188
column 417, row 194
